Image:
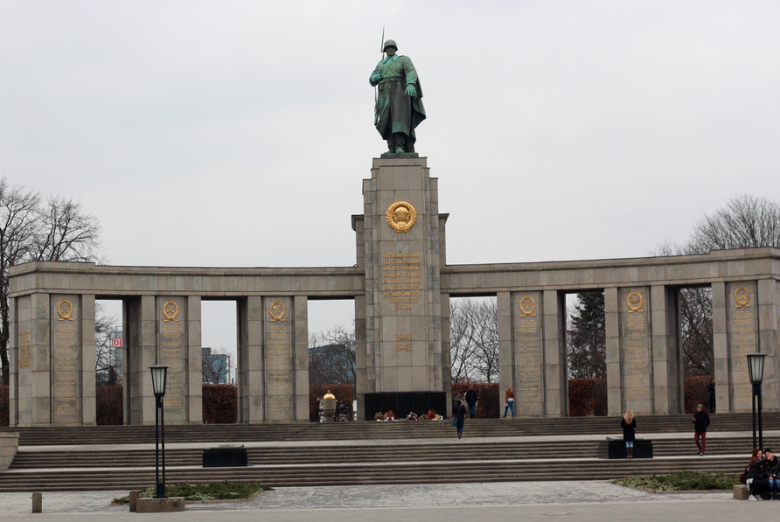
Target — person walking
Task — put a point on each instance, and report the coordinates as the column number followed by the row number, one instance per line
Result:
column 629, row 434
column 756, row 483
column 772, row 473
column 471, row 401
column 700, row 422
column 509, row 401
column 459, row 415
column 711, row 392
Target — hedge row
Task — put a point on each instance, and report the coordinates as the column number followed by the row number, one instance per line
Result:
column 220, row 404
column 109, row 409
column 587, row 397
column 488, row 405
column 696, row 393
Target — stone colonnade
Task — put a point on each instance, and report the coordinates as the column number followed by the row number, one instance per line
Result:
column 401, row 285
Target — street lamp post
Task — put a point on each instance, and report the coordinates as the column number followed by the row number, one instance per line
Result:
column 756, row 371
column 159, row 376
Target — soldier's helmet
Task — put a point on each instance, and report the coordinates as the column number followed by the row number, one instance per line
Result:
column 389, row 43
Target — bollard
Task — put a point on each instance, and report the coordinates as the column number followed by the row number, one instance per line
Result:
column 133, row 500
column 37, row 505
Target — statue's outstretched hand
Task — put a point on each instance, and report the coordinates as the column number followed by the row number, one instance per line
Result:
column 376, row 77
column 411, row 91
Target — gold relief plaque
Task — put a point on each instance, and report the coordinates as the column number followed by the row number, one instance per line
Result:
column 171, row 312
column 527, row 306
column 742, row 297
column 634, row 302
column 277, row 311
column 401, row 216
column 65, row 310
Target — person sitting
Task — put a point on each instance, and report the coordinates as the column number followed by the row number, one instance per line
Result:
column 756, row 483
column 772, row 472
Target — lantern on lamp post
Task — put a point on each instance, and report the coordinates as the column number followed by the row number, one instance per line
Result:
column 756, row 372
column 159, row 376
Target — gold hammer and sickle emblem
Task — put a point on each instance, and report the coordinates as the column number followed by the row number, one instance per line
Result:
column 742, row 297
column 65, row 310
column 277, row 311
column 171, row 311
column 634, row 302
column 401, row 216
column 527, row 306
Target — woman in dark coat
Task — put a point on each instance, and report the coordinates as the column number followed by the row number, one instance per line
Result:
column 629, row 426
column 459, row 414
column 756, row 483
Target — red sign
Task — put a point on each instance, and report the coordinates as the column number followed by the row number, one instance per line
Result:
column 117, row 342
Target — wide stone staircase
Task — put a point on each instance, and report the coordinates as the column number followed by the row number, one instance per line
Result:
column 122, row 457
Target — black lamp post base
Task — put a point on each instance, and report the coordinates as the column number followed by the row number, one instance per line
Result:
column 160, row 493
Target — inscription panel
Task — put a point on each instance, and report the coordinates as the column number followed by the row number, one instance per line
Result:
column 402, row 279
column 173, row 354
column 635, row 347
column 65, row 360
column 529, row 362
column 278, row 359
column 743, row 338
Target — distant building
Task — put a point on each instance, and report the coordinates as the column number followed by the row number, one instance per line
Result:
column 215, row 367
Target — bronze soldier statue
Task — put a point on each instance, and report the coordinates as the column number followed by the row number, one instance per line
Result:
column 399, row 108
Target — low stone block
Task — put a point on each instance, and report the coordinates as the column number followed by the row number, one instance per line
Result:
column 133, row 498
column 159, row 505
column 741, row 492
column 37, row 503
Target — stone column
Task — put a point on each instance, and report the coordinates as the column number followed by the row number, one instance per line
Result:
column 140, row 340
column 14, row 341
column 612, row 334
column 251, row 392
column 446, row 353
column 87, row 363
column 530, row 368
column 769, row 341
column 667, row 392
column 66, row 360
column 556, row 393
column 635, row 307
column 361, row 373
column 194, row 361
column 403, row 288
column 506, row 347
column 720, row 348
column 35, row 384
column 742, row 322
column 301, row 358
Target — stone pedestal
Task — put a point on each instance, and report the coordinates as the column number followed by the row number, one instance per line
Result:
column 399, row 243
column 160, row 505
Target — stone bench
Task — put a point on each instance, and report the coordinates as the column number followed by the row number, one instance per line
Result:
column 615, row 448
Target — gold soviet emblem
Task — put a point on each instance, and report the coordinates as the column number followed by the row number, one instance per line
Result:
column 65, row 310
column 742, row 297
column 634, row 302
column 171, row 311
column 277, row 311
column 401, row 216
column 527, row 306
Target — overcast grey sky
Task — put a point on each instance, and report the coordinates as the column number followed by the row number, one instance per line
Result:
column 228, row 133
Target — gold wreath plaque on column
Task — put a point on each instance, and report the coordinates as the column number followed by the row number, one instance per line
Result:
column 401, row 216
column 742, row 297
column 277, row 311
column 65, row 310
column 634, row 302
column 171, row 312
column 527, row 306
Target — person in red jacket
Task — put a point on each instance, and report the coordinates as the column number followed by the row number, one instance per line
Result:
column 509, row 401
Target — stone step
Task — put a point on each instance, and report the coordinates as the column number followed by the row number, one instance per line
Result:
column 378, row 430
column 421, row 472
column 371, row 453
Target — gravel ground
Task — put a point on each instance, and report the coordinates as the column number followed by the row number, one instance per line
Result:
column 403, row 496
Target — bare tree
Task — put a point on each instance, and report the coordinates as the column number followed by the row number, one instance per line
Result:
column 58, row 230
column 217, row 366
column 105, row 361
column 332, row 356
column 474, row 340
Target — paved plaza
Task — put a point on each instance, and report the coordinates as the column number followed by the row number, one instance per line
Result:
column 577, row 500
